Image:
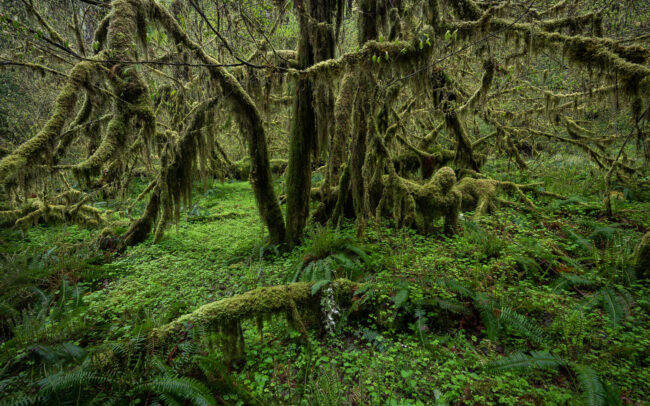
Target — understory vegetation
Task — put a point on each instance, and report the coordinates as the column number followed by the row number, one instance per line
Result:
column 324, row 202
column 536, row 307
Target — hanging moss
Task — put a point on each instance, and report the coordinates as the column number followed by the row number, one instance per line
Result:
column 26, row 158
column 464, row 153
column 342, row 115
column 247, row 114
column 101, row 34
column 39, row 211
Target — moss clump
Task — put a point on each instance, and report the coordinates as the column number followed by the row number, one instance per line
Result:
column 478, row 195
column 418, row 205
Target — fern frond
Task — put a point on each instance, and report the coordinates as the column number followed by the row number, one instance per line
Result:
column 527, row 264
column 60, row 352
column 536, row 359
column 187, row 388
column 452, row 306
column 612, row 306
column 612, row 395
column 169, row 400
column 568, row 280
column 485, row 308
column 593, row 393
column 24, row 400
column 522, row 324
column 358, row 251
column 63, row 381
column 456, row 287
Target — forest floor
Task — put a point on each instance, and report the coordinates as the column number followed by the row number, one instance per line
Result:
column 445, row 309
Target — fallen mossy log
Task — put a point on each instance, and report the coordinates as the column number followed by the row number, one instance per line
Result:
column 227, row 314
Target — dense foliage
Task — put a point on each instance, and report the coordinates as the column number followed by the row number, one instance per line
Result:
column 324, row 202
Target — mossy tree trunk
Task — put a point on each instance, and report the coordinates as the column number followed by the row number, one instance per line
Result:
column 368, row 31
column 316, row 44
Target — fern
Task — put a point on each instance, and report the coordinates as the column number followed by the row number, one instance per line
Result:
column 536, row 359
column 456, row 287
column 59, row 353
column 169, row 400
column 612, row 305
column 62, row 382
column 216, row 372
column 24, row 400
column 490, row 320
column 182, row 387
column 527, row 265
column 328, row 256
column 522, row 324
column 568, row 280
column 593, row 393
column 452, row 306
column 612, row 395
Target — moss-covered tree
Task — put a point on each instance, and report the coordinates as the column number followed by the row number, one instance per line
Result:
column 399, row 122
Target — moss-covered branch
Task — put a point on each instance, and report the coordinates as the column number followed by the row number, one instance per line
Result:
column 33, row 152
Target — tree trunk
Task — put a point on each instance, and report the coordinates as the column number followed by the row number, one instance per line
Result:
column 316, row 44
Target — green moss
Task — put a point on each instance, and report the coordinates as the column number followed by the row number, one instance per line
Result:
column 478, row 195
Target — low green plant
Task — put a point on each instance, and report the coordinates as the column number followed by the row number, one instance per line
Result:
column 594, row 391
column 329, row 255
